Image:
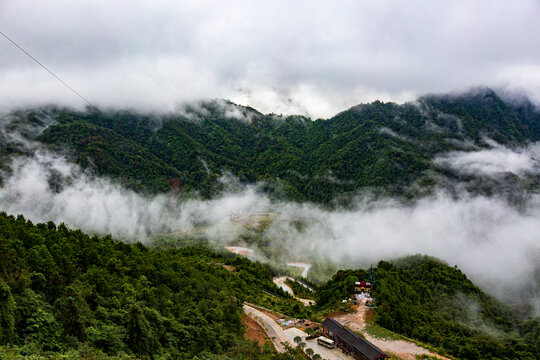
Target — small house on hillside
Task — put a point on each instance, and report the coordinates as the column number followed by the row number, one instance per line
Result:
column 361, row 286
column 351, row 342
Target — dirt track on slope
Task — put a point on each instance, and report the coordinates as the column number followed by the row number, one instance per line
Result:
column 304, row 266
column 280, row 281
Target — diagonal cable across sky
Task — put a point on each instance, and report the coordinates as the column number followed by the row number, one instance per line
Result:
column 44, row 67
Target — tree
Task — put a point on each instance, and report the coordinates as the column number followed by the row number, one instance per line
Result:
column 310, row 352
column 74, row 311
column 140, row 334
column 317, row 357
column 7, row 314
column 297, row 340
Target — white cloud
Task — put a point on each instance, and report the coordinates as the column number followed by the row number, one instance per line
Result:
column 490, row 240
column 280, row 56
column 494, row 161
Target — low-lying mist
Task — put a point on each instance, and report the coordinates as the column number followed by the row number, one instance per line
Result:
column 496, row 160
column 494, row 243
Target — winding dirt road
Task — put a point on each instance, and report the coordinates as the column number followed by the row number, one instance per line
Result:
column 280, row 281
column 305, row 267
column 240, row 250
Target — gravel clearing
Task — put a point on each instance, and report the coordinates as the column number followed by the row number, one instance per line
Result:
column 404, row 349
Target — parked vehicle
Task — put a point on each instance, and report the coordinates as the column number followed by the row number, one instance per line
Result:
column 326, row 342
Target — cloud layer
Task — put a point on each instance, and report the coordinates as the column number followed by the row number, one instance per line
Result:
column 494, row 161
column 491, row 241
column 279, row 56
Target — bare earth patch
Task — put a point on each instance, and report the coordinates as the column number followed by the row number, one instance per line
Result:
column 230, row 268
column 254, row 331
column 405, row 350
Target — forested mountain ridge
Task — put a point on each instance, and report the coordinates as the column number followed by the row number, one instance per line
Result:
column 67, row 295
column 380, row 145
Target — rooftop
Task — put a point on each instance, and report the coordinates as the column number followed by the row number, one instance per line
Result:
column 353, row 339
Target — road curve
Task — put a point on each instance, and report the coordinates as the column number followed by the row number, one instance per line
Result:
column 280, row 281
column 272, row 328
column 305, row 267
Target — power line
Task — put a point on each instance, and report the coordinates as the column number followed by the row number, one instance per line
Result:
column 43, row 66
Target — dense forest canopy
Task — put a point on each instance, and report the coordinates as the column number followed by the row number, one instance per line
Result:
column 382, row 146
column 64, row 292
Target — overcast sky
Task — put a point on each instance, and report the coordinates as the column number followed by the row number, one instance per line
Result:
column 310, row 57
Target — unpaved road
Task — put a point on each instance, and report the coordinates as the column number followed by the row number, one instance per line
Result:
column 304, row 266
column 272, row 328
column 404, row 349
column 280, row 281
column 240, row 250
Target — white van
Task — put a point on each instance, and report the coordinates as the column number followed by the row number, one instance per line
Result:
column 326, row 342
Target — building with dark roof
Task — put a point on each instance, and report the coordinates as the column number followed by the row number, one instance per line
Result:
column 352, row 343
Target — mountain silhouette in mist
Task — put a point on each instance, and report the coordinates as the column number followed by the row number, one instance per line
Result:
column 385, row 147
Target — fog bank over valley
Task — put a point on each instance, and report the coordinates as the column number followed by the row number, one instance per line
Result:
column 492, row 241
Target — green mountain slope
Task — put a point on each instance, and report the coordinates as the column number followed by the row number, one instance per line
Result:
column 66, row 294
column 379, row 145
column 425, row 299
